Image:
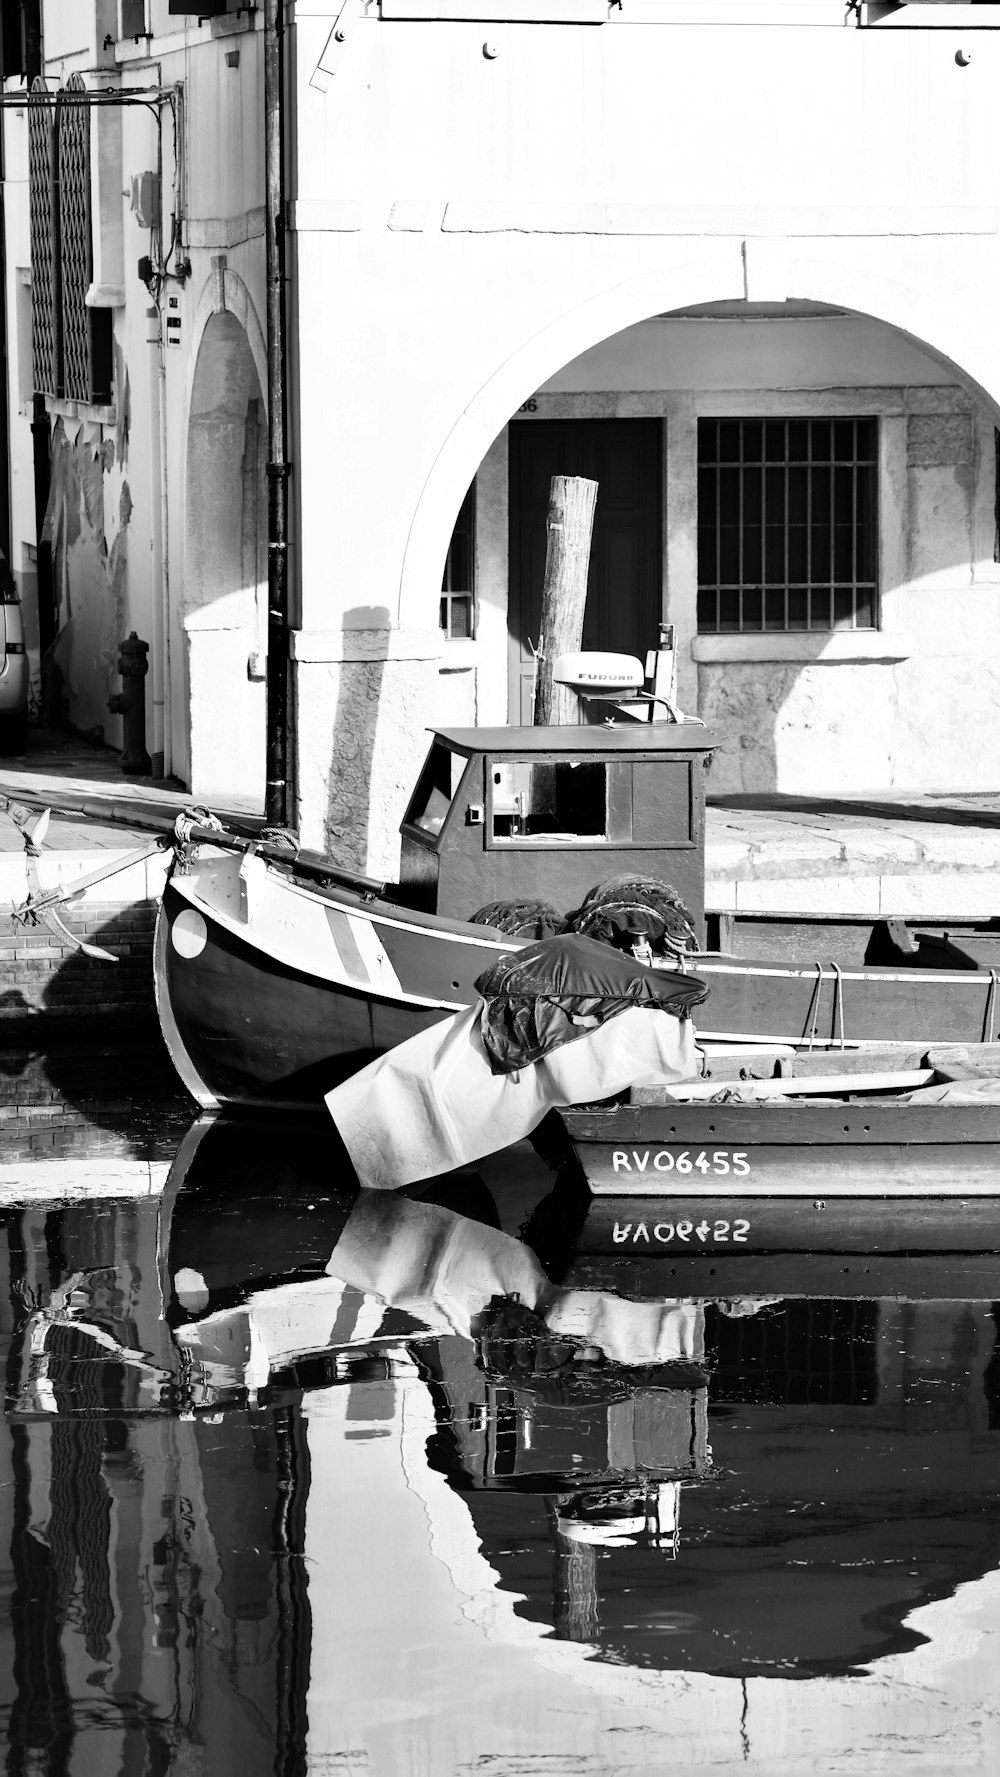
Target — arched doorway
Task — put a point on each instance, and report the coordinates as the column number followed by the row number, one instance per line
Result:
column 817, row 675
column 223, row 608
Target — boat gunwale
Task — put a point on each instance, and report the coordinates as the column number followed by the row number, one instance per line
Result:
column 371, row 907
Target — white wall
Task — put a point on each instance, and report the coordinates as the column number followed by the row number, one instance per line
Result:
column 123, row 498
column 472, row 230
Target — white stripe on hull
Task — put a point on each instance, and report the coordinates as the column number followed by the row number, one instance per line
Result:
column 291, row 925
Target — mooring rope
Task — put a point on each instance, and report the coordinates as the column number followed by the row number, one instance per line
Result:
column 810, row 1029
column 989, row 1016
column 839, row 1002
column 810, row 1033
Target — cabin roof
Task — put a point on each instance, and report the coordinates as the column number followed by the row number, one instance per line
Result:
column 628, row 737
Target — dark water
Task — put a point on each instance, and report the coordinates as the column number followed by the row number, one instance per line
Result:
column 296, row 1480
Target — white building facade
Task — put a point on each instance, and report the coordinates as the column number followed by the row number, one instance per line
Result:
column 736, row 261
column 139, row 158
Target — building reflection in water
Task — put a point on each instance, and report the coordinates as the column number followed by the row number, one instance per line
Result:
column 266, row 1443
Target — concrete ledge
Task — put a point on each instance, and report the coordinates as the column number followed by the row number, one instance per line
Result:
column 138, row 882
column 822, row 647
column 940, row 896
column 76, row 1180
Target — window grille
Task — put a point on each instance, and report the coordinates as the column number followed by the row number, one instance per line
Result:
column 787, row 524
column 44, row 308
column 458, row 601
column 804, row 1352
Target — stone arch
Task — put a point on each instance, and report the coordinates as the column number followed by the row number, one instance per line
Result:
column 925, row 316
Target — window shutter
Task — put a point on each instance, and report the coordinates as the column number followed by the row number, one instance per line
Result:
column 75, row 250
column 43, row 223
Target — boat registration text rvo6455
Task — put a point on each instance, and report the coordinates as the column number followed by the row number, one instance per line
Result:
column 717, row 1161
column 682, row 1228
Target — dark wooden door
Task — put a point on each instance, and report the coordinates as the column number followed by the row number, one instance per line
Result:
column 624, row 589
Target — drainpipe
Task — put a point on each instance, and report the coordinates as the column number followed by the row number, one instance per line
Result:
column 276, row 794
column 41, row 427
column 163, row 739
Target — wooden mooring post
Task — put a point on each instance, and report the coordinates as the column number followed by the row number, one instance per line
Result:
column 569, row 528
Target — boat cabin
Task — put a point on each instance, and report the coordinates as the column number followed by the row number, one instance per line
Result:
column 517, row 814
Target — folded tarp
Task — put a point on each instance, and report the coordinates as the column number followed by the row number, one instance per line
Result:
column 970, row 1091
column 445, row 1272
column 434, row 1102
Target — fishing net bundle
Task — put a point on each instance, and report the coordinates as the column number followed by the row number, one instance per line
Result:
column 627, row 910
column 622, row 912
column 516, row 1348
column 520, row 919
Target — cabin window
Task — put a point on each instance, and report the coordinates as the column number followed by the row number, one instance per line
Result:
column 458, row 597
column 435, row 790
column 550, row 802
column 787, row 524
column 553, row 801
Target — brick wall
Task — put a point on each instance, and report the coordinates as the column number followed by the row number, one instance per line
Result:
column 102, row 1102
column 46, row 981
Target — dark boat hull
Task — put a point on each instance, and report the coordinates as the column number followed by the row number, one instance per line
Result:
column 272, row 1025
column 272, row 990
column 728, row 1180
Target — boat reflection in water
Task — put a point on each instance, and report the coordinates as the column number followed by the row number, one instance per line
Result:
column 297, row 1473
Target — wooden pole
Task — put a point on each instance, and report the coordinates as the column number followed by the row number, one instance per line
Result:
column 569, row 527
column 576, row 1609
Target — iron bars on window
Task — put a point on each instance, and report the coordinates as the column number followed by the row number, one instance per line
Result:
column 787, row 524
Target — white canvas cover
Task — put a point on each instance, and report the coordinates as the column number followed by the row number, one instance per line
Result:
column 433, row 1102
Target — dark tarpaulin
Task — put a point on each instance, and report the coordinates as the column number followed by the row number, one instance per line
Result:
column 556, row 990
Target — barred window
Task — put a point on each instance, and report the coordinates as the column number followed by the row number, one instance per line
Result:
column 458, row 598
column 787, row 524
column 71, row 343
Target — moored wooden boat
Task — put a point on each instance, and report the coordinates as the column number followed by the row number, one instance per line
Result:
column 279, row 974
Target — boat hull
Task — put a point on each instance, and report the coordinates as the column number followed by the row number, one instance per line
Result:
column 271, row 990
column 728, row 1180
column 808, row 1001
column 275, row 1010
column 925, row 1275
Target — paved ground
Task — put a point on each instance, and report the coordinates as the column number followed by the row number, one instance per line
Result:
column 874, row 856
column 878, row 856
column 94, row 805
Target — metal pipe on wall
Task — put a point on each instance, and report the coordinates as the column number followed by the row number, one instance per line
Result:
column 276, row 792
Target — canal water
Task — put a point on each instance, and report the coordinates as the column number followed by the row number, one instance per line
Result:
column 296, row 1479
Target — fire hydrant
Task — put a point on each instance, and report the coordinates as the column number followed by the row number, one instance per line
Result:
column 130, row 704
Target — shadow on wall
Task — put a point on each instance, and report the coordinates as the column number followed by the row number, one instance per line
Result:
column 358, row 691
column 80, row 669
